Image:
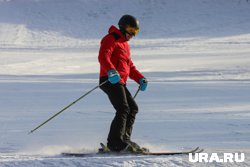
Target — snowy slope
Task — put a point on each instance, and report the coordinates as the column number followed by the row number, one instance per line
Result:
column 194, row 53
column 46, row 23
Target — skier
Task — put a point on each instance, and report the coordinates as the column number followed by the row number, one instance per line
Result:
column 116, row 66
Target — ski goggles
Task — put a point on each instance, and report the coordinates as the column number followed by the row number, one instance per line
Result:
column 132, row 31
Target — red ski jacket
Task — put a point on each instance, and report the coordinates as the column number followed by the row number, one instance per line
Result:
column 114, row 53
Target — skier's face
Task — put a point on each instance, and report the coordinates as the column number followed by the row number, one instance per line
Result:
column 130, row 32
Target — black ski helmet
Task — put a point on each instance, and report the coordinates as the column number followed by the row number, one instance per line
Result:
column 128, row 21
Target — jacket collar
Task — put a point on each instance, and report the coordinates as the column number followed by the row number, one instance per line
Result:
column 115, row 30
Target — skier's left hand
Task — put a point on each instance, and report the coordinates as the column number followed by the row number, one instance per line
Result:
column 143, row 84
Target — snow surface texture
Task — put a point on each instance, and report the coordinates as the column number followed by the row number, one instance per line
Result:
column 195, row 54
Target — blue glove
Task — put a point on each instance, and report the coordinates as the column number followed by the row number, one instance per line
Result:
column 113, row 76
column 143, row 84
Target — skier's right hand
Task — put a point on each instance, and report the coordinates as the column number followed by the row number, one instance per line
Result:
column 113, row 76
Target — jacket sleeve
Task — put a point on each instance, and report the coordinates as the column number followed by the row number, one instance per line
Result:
column 134, row 73
column 105, row 52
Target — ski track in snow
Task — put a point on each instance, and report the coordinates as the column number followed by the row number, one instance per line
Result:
column 196, row 60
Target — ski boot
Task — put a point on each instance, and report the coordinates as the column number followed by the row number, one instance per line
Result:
column 136, row 148
column 104, row 149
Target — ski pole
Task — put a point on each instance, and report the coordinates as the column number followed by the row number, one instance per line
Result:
column 67, row 107
column 137, row 92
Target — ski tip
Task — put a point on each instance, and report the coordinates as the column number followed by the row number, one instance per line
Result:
column 197, row 148
column 201, row 150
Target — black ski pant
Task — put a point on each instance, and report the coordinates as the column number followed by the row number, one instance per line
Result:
column 126, row 110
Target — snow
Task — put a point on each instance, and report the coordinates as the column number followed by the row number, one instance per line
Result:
column 195, row 55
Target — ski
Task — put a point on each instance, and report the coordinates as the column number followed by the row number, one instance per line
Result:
column 196, row 150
